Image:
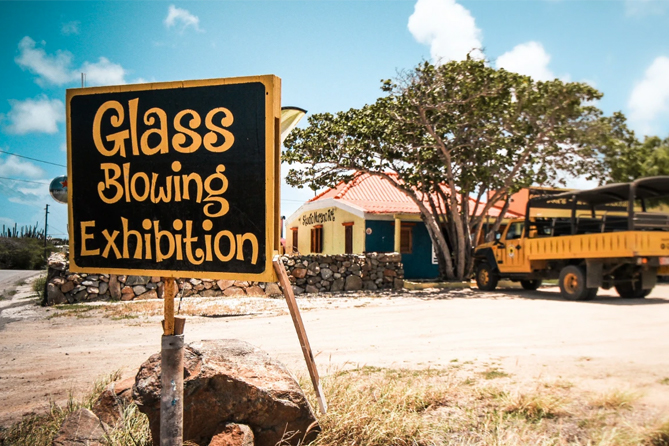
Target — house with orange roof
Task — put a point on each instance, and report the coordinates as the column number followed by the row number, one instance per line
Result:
column 367, row 214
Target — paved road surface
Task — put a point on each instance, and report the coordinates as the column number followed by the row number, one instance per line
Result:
column 9, row 277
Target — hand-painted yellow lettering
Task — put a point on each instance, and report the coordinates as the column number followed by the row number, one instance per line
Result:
column 133, row 105
column 158, row 235
column 84, row 237
column 217, row 246
column 110, row 180
column 213, row 194
column 198, row 258
column 254, row 246
column 138, row 238
column 133, row 186
column 161, row 131
column 179, row 139
column 117, row 138
column 111, row 244
column 164, row 194
column 211, row 137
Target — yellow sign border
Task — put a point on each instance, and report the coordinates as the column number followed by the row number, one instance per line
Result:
column 272, row 175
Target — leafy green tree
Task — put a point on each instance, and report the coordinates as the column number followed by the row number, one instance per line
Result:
column 623, row 157
column 445, row 134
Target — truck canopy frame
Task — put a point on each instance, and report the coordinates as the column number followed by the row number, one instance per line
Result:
column 606, row 197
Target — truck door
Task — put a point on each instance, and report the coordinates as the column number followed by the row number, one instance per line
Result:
column 513, row 250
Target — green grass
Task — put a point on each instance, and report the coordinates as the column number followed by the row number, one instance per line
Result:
column 665, row 381
column 72, row 310
column 495, row 373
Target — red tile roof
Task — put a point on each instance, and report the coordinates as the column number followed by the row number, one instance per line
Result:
column 377, row 195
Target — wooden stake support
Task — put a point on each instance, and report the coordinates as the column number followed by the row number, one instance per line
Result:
column 301, row 333
column 172, row 375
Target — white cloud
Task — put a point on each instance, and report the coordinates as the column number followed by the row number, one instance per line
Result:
column 640, row 8
column 56, row 69
column 14, row 167
column 530, row 59
column 40, row 115
column 103, row 72
column 70, row 28
column 25, row 193
column 650, row 96
column 181, row 18
column 52, row 69
column 19, row 191
column 449, row 29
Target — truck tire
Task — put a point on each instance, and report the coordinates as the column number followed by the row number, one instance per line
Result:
column 572, row 284
column 530, row 285
column 632, row 290
column 486, row 278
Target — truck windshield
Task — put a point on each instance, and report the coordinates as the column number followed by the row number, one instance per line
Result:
column 515, row 230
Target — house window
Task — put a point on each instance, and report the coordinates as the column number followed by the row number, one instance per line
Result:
column 406, row 240
column 317, row 238
column 348, row 238
column 294, row 248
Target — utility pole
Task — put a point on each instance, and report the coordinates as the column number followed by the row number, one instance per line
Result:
column 46, row 220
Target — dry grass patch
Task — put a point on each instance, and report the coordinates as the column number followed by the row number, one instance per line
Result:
column 375, row 407
column 615, row 399
column 399, row 407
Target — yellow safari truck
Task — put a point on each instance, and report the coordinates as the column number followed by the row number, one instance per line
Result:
column 599, row 238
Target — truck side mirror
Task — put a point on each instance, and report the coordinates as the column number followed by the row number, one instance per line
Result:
column 498, row 236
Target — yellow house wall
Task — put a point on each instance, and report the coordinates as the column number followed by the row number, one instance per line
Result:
column 333, row 230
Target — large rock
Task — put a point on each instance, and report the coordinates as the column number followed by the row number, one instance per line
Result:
column 224, row 284
column 234, row 291
column 255, row 291
column 390, row 257
column 337, row 284
column 299, row 273
column 54, row 295
column 229, row 381
column 137, row 280
column 114, row 287
column 80, row 428
column 272, row 289
column 113, row 400
column 353, row 283
column 233, row 435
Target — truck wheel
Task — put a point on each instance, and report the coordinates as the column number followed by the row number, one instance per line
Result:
column 486, row 278
column 572, row 284
column 632, row 290
column 530, row 284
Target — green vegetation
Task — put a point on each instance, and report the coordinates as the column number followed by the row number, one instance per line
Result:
column 495, row 373
column 39, row 286
column 483, row 133
column 23, row 253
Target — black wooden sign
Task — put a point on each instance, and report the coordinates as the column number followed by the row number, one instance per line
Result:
column 175, row 179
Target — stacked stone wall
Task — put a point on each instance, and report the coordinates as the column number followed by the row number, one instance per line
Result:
column 344, row 272
column 308, row 274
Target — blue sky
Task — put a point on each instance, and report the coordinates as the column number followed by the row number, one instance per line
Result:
column 330, row 55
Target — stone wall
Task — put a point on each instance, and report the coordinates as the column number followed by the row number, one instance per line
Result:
column 310, row 274
column 344, row 272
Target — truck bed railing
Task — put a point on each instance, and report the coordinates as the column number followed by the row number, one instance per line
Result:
column 651, row 221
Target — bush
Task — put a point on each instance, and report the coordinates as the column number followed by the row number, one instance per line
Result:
column 23, row 253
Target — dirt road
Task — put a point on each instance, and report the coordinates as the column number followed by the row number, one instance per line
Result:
column 608, row 343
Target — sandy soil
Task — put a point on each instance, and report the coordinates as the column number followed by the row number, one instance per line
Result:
column 608, row 343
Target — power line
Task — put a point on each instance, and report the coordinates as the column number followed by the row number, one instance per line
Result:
column 33, row 159
column 23, row 181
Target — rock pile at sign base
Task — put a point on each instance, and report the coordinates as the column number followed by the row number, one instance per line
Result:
column 230, row 381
